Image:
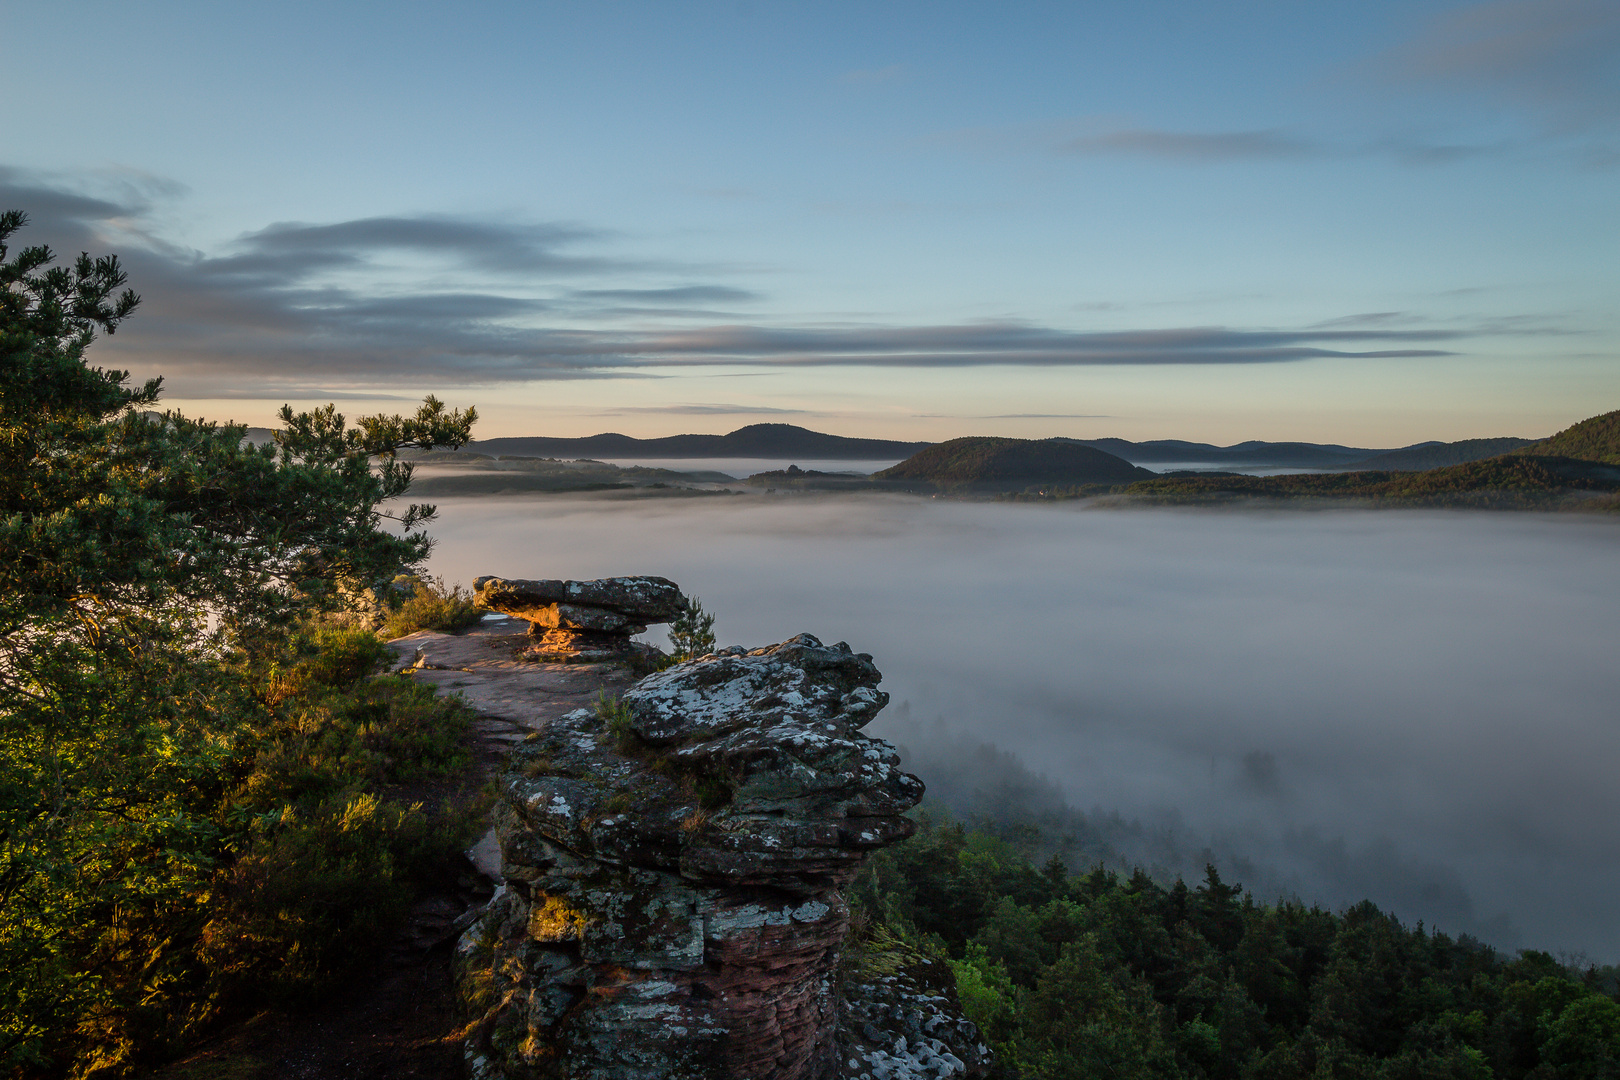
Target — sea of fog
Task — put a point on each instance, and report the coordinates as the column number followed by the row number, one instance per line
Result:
column 742, row 468
column 1418, row 708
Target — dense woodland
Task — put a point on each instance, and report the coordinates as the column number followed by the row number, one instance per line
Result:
column 1516, row 481
column 1113, row 975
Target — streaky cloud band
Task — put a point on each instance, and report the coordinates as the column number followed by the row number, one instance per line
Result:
column 365, row 303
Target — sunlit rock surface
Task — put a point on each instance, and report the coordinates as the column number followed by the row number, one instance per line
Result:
column 588, row 621
column 673, row 871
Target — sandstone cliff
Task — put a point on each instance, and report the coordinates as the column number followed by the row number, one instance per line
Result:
column 674, row 865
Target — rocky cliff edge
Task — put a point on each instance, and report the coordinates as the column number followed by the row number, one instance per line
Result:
column 673, row 866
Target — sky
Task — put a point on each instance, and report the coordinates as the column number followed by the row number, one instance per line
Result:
column 1372, row 223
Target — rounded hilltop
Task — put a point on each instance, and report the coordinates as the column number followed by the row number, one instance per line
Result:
column 1593, row 439
column 1003, row 461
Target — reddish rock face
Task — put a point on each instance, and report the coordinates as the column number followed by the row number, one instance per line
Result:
column 673, row 868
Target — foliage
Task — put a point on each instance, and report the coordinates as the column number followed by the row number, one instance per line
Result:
column 617, row 721
column 326, row 856
column 1513, row 481
column 427, row 604
column 161, row 584
column 1593, row 439
column 1438, row 455
column 692, row 633
column 1107, row 975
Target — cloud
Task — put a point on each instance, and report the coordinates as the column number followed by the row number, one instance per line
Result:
column 284, row 254
column 363, row 303
column 1095, row 137
column 1369, row 318
column 1191, row 145
column 296, row 393
column 1046, row 416
column 685, row 294
column 1559, row 57
column 701, row 410
column 1014, row 343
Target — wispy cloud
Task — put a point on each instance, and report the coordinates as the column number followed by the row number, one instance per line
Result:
column 1106, row 137
column 1018, row 343
column 683, row 294
column 306, row 305
column 1367, row 318
column 287, row 251
column 1559, row 57
column 701, row 410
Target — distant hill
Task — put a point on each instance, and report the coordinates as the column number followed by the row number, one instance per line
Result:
column 981, row 461
column 1282, row 455
column 753, row 441
column 1596, row 439
column 1437, row 455
column 1511, row 481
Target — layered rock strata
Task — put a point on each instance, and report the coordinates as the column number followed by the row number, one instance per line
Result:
column 583, row 621
column 674, row 866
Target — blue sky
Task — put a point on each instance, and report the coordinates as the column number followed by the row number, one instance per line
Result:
column 1372, row 223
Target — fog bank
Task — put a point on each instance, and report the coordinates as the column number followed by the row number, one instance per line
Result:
column 1419, row 708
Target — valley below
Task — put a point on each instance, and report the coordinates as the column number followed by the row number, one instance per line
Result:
column 1412, row 707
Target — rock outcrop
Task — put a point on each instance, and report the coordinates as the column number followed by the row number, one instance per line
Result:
column 585, row 621
column 674, row 865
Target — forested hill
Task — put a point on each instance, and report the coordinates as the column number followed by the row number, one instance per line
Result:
column 1283, row 455
column 1509, row 482
column 1109, row 975
column 753, row 441
column 1002, row 462
column 1596, row 439
column 1438, row 455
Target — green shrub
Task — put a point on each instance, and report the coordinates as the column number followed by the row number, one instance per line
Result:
column 324, row 654
column 383, row 731
column 617, row 721
column 428, row 604
column 316, row 893
column 692, row 633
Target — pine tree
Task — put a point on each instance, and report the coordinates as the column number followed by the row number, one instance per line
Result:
column 146, row 562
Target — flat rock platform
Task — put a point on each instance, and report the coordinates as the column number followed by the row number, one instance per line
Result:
column 513, row 697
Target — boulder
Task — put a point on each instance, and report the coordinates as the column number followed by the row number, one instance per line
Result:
column 583, row 620
column 673, row 867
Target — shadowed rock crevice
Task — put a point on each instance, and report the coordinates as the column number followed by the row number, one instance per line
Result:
column 673, row 867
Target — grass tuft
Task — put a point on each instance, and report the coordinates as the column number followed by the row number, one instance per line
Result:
column 428, row 604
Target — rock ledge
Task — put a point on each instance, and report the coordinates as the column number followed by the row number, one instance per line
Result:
column 583, row 621
column 673, row 868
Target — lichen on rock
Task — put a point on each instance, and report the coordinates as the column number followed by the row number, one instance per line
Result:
column 674, row 865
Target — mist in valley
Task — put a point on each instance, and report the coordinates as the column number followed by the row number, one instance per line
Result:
column 1416, row 708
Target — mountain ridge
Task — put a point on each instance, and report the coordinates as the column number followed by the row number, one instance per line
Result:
column 1437, row 455
column 792, row 441
column 752, row 441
